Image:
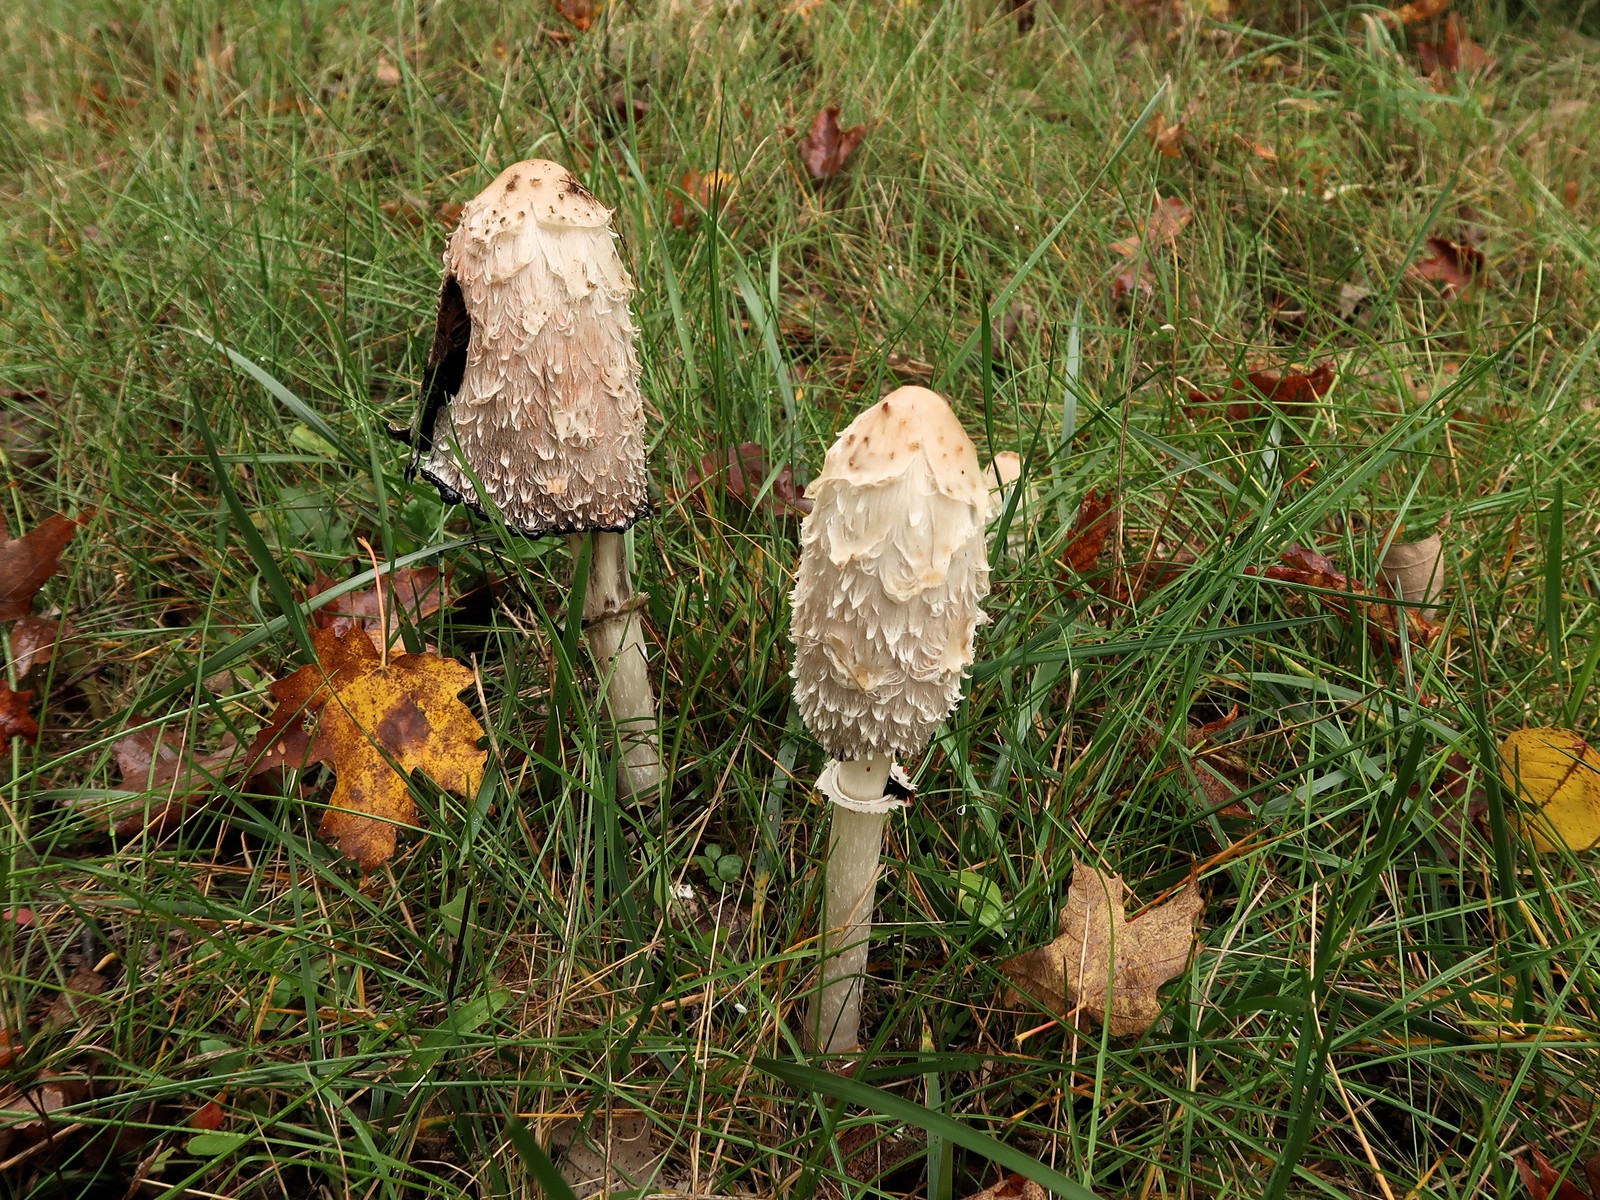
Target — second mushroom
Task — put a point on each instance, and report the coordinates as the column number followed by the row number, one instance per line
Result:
column 886, row 601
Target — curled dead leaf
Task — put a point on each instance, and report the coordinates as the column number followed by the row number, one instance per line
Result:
column 416, row 592
column 34, row 640
column 1104, row 964
column 744, row 475
column 16, row 721
column 26, row 562
column 170, row 777
column 1455, row 265
column 825, row 149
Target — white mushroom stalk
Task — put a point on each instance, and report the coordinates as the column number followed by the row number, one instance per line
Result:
column 531, row 407
column 886, row 601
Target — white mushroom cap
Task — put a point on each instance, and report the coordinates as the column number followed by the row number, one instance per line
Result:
column 533, row 369
column 892, row 570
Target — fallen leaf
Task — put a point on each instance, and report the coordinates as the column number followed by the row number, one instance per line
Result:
column 69, row 1007
column 1168, row 218
column 699, row 193
column 1023, row 9
column 1414, row 571
column 34, row 641
column 1543, row 1181
column 1012, row 1187
column 28, row 1115
column 615, row 1153
column 579, row 13
column 26, row 562
column 1290, row 392
column 1453, row 264
column 1168, row 137
column 742, row 474
column 385, row 72
column 826, row 148
column 1307, row 568
column 175, row 779
column 1555, row 773
column 1097, row 517
column 1418, row 11
column 1104, row 964
column 418, row 592
column 15, row 719
column 11, row 1045
column 208, row 1117
column 374, row 723
column 1452, row 53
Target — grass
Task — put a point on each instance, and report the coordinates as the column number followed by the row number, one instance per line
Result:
column 1384, row 1001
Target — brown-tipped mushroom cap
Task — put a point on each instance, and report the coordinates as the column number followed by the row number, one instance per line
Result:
column 892, row 569
column 533, row 369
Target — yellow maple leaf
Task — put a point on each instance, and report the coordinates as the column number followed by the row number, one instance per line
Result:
column 1557, row 774
column 1101, row 955
column 374, row 720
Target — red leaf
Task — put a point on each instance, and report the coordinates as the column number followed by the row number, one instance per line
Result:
column 208, row 1116
column 1288, row 392
column 34, row 641
column 26, row 562
column 702, row 193
column 1097, row 517
column 15, row 719
column 580, row 13
column 1168, row 218
column 743, row 473
column 1539, row 1177
column 1452, row 52
column 419, row 591
column 176, row 779
column 825, row 149
column 1455, row 265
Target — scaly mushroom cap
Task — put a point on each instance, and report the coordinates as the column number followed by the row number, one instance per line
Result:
column 533, row 369
column 892, row 569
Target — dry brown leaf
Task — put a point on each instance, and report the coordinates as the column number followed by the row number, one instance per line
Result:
column 175, row 779
column 1101, row 957
column 15, row 719
column 34, row 641
column 581, row 14
column 1012, row 1187
column 699, row 193
column 1455, row 265
column 375, row 722
column 1414, row 571
column 1097, row 517
column 69, row 1008
column 1168, row 218
column 1418, row 11
column 418, row 592
column 26, row 562
column 1543, row 1181
column 825, row 149
column 1307, row 568
column 1288, row 392
column 741, row 475
column 1453, row 52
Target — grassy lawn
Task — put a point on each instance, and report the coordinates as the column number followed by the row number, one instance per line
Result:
column 1391, row 993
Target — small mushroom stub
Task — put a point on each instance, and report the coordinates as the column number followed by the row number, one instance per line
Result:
column 533, row 372
column 892, row 571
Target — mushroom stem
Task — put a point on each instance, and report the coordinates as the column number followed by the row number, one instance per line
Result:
column 855, row 848
column 611, row 626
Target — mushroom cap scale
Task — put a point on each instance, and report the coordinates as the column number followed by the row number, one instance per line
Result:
column 534, row 375
column 892, row 570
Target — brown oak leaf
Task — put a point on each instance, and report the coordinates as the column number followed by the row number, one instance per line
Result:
column 825, row 149
column 26, row 562
column 34, row 641
column 1453, row 52
column 742, row 474
column 1097, row 518
column 419, row 592
column 173, row 780
column 1454, row 264
column 1104, row 964
column 1012, row 1187
column 15, row 719
column 699, row 193
column 375, row 721
column 1168, row 218
column 1543, row 1181
column 1288, row 392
